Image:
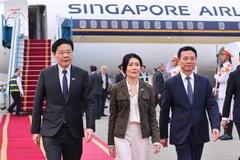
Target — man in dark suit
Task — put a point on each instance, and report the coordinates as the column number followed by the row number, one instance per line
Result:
column 158, row 82
column 64, row 87
column 105, row 85
column 119, row 76
column 189, row 96
column 96, row 82
column 233, row 89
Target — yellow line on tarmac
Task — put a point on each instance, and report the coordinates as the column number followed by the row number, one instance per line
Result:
column 41, row 143
column 105, row 149
column 5, row 139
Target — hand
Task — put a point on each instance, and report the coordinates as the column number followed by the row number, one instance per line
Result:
column 215, row 134
column 159, row 96
column 112, row 152
column 36, row 139
column 156, row 148
column 22, row 95
column 88, row 135
column 164, row 142
column 224, row 124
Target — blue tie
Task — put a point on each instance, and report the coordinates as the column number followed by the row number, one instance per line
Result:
column 189, row 90
column 65, row 84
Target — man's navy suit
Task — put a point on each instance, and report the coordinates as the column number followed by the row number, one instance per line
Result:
column 96, row 82
column 233, row 90
column 188, row 119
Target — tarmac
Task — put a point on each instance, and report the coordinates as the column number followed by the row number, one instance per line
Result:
column 219, row 150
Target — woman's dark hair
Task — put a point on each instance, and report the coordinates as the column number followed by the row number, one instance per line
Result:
column 126, row 59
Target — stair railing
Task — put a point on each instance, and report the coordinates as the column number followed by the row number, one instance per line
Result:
column 14, row 51
column 59, row 21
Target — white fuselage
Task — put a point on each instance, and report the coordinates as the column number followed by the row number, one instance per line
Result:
column 99, row 46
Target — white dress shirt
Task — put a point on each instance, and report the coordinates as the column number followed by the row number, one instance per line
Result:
column 61, row 76
column 185, row 81
column 19, row 84
column 134, row 115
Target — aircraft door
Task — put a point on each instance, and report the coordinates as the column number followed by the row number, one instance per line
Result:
column 37, row 22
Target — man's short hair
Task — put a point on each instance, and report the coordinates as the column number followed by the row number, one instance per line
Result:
column 186, row 48
column 144, row 66
column 61, row 41
column 17, row 69
column 104, row 66
column 159, row 65
column 93, row 68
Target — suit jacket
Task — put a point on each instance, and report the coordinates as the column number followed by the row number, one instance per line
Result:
column 233, row 89
column 158, row 82
column 96, row 82
column 57, row 109
column 186, row 115
column 119, row 77
column 120, row 110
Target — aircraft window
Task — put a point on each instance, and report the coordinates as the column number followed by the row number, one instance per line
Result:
column 93, row 24
column 114, row 24
column 157, row 25
column 124, row 24
column 221, row 25
column 146, row 24
column 180, row 25
column 83, row 24
column 190, row 25
column 200, row 25
column 135, row 24
column 239, row 25
column 169, row 25
column 104, row 24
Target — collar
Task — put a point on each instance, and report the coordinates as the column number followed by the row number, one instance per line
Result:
column 68, row 69
column 184, row 76
column 129, row 87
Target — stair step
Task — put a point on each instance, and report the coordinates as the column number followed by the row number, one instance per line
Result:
column 30, row 72
column 42, row 63
column 33, row 77
column 29, row 109
column 29, row 87
column 32, row 82
column 37, row 40
column 26, row 45
column 34, row 67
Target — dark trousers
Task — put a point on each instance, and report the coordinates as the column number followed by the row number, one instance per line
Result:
column 238, row 129
column 17, row 101
column 103, row 101
column 189, row 149
column 62, row 144
column 97, row 107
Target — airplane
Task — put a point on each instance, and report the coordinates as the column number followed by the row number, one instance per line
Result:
column 104, row 31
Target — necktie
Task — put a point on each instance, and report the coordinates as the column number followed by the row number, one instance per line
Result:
column 189, row 90
column 65, row 84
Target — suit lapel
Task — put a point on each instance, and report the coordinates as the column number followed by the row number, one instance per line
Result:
column 56, row 82
column 196, row 87
column 125, row 88
column 181, row 87
column 72, row 82
column 141, row 89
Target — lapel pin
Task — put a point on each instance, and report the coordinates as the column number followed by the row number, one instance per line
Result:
column 73, row 79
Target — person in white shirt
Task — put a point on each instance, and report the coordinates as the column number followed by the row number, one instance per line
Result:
column 172, row 66
column 132, row 117
column 221, row 79
column 16, row 91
